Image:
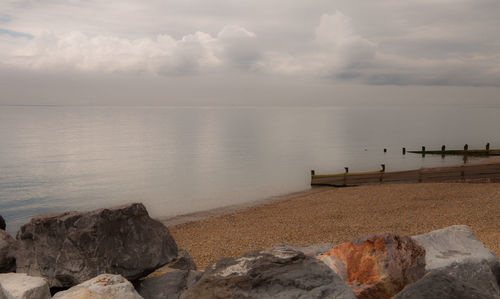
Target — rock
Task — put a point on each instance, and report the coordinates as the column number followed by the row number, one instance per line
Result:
column 22, row 286
column 2, row 223
column 170, row 280
column 167, row 283
column 276, row 273
column 477, row 274
column 440, row 285
column 377, row 266
column 496, row 271
column 7, row 259
column 183, row 261
column 311, row 251
column 104, row 286
column 70, row 248
column 453, row 244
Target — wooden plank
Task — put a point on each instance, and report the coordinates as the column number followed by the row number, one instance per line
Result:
column 363, row 179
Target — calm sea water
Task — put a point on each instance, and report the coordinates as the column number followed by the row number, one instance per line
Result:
column 180, row 160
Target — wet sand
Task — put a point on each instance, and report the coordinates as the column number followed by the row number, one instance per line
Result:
column 335, row 215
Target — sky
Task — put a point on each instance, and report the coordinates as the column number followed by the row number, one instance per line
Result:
column 236, row 52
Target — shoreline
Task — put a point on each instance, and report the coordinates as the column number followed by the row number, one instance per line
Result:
column 227, row 210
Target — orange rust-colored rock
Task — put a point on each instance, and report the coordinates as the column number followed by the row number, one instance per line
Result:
column 377, row 266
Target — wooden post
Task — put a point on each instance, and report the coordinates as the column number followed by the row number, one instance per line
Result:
column 466, row 147
column 488, row 146
column 404, row 150
column 381, row 177
column 443, row 148
column 423, row 151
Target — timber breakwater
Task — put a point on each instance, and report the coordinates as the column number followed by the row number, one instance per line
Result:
column 488, row 171
column 486, row 152
column 122, row 253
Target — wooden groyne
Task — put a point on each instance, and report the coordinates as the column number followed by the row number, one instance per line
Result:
column 494, row 152
column 465, row 152
column 480, row 172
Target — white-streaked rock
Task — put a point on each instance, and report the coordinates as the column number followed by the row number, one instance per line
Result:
column 454, row 244
column 311, row 251
column 104, row 286
column 22, row 286
column 275, row 273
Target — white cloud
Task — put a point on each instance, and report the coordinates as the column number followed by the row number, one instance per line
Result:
column 161, row 55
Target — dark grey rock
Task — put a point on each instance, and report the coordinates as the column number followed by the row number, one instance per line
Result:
column 276, row 273
column 193, row 278
column 496, row 271
column 167, row 283
column 440, row 285
column 311, row 251
column 170, row 280
column 476, row 274
column 7, row 258
column 70, row 248
column 183, row 261
column 2, row 223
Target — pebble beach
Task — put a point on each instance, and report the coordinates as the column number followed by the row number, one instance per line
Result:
column 336, row 215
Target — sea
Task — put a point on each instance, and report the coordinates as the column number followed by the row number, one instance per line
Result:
column 178, row 160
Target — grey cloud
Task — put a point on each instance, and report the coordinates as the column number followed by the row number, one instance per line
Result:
column 414, row 42
column 5, row 19
column 239, row 47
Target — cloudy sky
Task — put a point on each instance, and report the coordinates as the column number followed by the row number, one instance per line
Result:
column 176, row 52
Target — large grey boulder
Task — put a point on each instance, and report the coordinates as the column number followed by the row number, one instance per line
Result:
column 7, row 259
column 454, row 244
column 70, row 248
column 167, row 283
column 276, row 273
column 22, row 286
column 455, row 252
column 439, row 284
column 104, row 286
